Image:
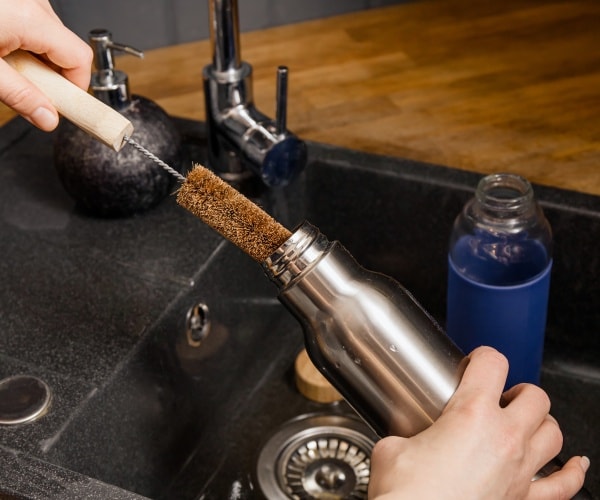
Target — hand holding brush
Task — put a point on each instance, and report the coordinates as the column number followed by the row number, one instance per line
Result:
column 32, row 25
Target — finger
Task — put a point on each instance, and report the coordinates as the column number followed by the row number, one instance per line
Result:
column 484, row 377
column 26, row 99
column 545, row 444
column 60, row 45
column 45, row 4
column 74, row 58
column 563, row 484
column 384, row 456
column 528, row 404
column 76, row 62
column 387, row 448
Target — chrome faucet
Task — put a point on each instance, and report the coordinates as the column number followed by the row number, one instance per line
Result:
column 242, row 141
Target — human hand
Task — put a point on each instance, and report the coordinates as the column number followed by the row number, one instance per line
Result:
column 32, row 25
column 478, row 449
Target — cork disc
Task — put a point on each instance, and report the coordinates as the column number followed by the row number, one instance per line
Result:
column 311, row 383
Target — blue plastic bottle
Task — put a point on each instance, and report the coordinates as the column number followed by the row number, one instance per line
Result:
column 499, row 275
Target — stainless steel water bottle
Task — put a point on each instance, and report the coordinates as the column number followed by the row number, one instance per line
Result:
column 370, row 338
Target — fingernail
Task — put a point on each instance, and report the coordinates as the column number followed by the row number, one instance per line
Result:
column 44, row 118
column 585, row 463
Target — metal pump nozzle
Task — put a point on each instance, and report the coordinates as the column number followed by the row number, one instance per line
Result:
column 109, row 85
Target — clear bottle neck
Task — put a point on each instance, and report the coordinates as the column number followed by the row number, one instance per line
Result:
column 502, row 197
column 502, row 236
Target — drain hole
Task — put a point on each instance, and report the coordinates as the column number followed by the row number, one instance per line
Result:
column 197, row 324
column 330, row 476
column 317, row 457
column 23, row 398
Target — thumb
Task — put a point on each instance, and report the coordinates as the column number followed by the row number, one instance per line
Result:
column 564, row 483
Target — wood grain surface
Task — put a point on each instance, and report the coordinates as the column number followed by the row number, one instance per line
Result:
column 484, row 86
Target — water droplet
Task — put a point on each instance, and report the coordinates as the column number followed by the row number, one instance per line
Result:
column 394, row 348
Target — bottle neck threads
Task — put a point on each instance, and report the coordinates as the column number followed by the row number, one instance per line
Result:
column 296, row 255
column 504, row 196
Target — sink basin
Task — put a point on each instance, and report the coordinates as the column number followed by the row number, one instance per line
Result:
column 99, row 310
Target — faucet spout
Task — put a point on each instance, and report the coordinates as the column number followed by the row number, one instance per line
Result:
column 224, row 35
column 242, row 141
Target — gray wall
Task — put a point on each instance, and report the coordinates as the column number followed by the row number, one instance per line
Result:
column 147, row 24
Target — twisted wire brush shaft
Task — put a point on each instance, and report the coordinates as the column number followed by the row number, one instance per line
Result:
column 231, row 214
column 154, row 158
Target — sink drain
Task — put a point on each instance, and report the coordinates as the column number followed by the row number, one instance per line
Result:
column 23, row 398
column 317, row 457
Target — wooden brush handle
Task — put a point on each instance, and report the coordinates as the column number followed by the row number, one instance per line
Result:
column 84, row 110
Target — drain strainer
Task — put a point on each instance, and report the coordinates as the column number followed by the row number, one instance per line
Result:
column 317, row 457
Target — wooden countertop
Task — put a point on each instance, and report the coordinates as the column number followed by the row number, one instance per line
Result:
column 482, row 86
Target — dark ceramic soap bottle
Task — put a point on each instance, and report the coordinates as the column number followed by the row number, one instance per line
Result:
column 106, row 183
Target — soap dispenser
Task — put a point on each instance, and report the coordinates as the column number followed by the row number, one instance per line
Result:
column 104, row 182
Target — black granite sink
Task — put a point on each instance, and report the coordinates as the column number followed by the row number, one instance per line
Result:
column 97, row 309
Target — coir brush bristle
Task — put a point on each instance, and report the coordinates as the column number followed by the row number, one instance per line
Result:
column 231, row 214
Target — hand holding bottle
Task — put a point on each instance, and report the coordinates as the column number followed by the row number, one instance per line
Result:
column 478, row 449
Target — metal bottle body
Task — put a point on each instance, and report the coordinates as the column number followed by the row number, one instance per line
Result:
column 366, row 334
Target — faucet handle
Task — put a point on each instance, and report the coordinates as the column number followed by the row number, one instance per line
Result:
column 281, row 100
